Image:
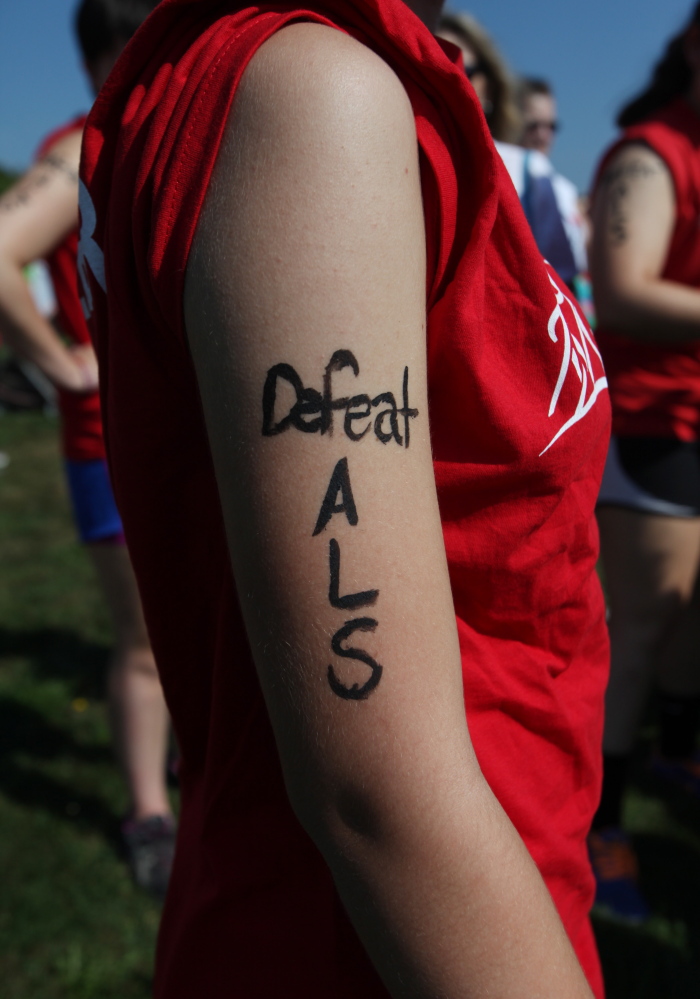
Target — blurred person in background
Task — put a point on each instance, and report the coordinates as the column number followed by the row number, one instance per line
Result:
column 645, row 264
column 39, row 219
column 538, row 108
column 558, row 238
column 487, row 71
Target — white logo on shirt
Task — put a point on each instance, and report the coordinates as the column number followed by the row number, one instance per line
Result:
column 577, row 356
column 89, row 253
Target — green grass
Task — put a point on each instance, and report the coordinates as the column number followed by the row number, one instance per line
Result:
column 71, row 924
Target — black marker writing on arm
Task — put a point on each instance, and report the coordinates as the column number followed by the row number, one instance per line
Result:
column 312, row 411
column 340, row 483
column 354, row 692
column 351, row 601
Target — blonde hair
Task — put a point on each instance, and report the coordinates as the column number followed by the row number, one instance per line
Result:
column 503, row 116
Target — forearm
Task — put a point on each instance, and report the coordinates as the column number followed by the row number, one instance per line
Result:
column 655, row 310
column 449, row 902
column 28, row 333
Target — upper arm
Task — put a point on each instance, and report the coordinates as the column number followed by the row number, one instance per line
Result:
column 311, row 243
column 633, row 221
column 41, row 209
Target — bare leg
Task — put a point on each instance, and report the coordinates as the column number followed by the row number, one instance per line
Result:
column 138, row 710
column 678, row 663
column 651, row 567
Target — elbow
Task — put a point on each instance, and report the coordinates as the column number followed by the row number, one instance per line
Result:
column 338, row 815
column 618, row 307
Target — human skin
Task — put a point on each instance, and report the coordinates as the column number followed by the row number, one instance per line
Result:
column 433, row 875
column 651, row 562
column 36, row 215
column 634, row 215
column 539, row 113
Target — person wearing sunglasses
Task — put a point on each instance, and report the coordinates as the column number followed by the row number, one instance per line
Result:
column 539, row 110
column 550, row 201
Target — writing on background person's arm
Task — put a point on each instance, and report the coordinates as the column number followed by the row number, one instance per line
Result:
column 36, row 215
column 633, row 220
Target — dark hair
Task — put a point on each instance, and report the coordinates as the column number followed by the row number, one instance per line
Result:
column 671, row 78
column 100, row 24
column 502, row 117
column 529, row 85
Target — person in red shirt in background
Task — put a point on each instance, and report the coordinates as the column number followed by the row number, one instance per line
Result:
column 645, row 264
column 39, row 219
column 356, row 427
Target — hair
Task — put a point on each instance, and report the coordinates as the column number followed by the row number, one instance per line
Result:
column 100, row 24
column 671, row 78
column 503, row 117
column 528, row 86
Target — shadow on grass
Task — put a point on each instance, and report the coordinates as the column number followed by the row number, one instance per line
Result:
column 660, row 960
column 25, row 735
column 29, row 740
column 59, row 654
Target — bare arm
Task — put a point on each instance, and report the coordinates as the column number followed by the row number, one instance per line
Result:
column 36, row 214
column 307, row 283
column 633, row 220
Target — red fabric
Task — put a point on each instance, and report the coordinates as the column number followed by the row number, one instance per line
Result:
column 81, row 422
column 252, row 910
column 655, row 387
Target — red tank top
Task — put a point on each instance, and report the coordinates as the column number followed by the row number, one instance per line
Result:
column 81, row 423
column 655, row 387
column 520, row 426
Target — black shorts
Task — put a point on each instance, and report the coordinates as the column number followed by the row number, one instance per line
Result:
column 654, row 475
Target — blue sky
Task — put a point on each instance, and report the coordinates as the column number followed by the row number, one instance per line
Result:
column 596, row 54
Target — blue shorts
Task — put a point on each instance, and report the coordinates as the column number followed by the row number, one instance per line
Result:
column 94, row 509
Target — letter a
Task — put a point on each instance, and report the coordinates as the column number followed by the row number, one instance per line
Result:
column 340, row 483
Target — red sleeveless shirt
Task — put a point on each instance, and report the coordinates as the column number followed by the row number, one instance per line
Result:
column 519, row 423
column 81, row 423
column 655, row 387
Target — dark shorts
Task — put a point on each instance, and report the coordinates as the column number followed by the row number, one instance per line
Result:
column 653, row 475
column 94, row 509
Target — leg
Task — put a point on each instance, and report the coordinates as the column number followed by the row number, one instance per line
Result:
column 678, row 682
column 651, row 565
column 678, row 663
column 139, row 714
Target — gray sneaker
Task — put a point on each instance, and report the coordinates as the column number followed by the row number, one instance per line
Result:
column 150, row 847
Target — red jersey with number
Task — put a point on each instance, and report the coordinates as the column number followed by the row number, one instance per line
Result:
column 81, row 422
column 519, row 425
column 655, row 387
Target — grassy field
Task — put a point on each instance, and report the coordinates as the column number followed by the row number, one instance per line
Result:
column 71, row 924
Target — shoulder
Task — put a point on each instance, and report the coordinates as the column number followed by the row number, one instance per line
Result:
column 318, row 119
column 538, row 164
column 514, row 161
column 566, row 186
column 631, row 159
column 315, row 77
column 63, row 148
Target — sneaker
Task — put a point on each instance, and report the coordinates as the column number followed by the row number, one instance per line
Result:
column 684, row 773
column 150, row 847
column 614, row 864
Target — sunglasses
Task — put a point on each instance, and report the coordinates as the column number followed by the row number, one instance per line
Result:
column 551, row 126
column 475, row 69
